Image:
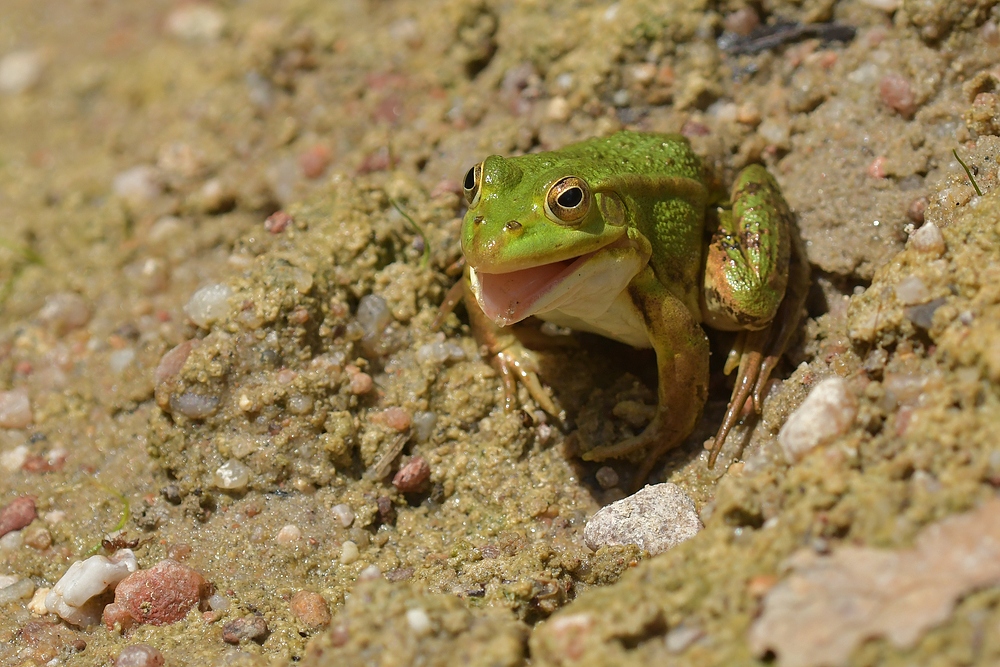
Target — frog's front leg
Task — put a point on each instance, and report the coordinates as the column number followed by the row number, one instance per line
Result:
column 513, row 361
column 682, row 365
column 755, row 281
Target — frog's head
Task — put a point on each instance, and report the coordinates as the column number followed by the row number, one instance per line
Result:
column 536, row 229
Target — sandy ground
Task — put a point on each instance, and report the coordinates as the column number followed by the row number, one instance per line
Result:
column 251, row 430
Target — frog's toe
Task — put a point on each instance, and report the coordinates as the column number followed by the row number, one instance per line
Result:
column 518, row 363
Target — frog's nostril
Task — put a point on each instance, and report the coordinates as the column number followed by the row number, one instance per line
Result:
column 512, row 226
column 477, row 220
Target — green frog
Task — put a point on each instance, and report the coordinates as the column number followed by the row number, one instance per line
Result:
column 629, row 237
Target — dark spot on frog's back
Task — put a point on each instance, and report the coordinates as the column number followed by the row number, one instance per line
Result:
column 512, row 226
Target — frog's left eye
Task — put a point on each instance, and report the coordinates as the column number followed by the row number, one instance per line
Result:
column 473, row 179
column 568, row 200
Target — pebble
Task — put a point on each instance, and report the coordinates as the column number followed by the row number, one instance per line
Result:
column 209, row 304
column 289, row 534
column 344, row 514
column 85, row 580
column 310, row 609
column 897, row 94
column 196, row 23
column 138, row 185
column 349, row 553
column 277, row 222
column 828, row 411
column 655, row 519
column 22, row 589
column 912, row 290
column 161, row 595
column 193, row 405
column 423, row 425
column 361, row 383
column 413, row 476
column 18, row 514
column 63, row 312
column 314, row 161
column 13, row 459
column 394, row 417
column 37, row 603
column 172, row 362
column 607, row 477
column 19, row 71
column 248, row 628
column 419, row 621
column 139, row 655
column 15, row 409
column 928, row 239
column 232, row 476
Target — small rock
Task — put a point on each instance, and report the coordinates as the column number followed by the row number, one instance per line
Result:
column 172, row 362
column 413, row 476
column 193, row 405
column 71, row 598
column 912, row 290
column 232, row 476
column 37, row 603
column 607, row 477
column 349, row 552
column 289, row 534
column 344, row 514
column 208, row 305
column 314, row 161
column 248, row 628
column 139, row 655
column 38, row 538
column 361, row 383
column 196, row 22
column 277, row 222
column 19, row 71
column 655, row 519
column 13, row 459
column 396, row 418
column 897, row 94
column 18, row 514
column 15, row 409
column 828, row 411
column 928, row 239
column 63, row 312
column 161, row 595
column 310, row 609
column 22, row 589
column 138, row 185
column 419, row 621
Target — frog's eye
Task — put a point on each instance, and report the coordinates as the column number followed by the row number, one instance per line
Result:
column 470, row 186
column 568, row 200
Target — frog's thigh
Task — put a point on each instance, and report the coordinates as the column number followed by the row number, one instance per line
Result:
column 682, row 364
column 746, row 267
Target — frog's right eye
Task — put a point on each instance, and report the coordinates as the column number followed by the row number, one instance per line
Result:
column 473, row 179
column 568, row 200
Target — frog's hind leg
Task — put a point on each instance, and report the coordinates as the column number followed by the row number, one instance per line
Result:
column 682, row 365
column 759, row 351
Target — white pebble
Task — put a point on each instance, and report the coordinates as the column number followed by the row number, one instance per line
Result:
column 8, row 579
column 289, row 534
column 21, row 589
column 349, row 552
column 12, row 541
column 928, row 239
column 64, row 311
column 370, row 573
column 15, row 409
column 232, row 476
column 344, row 514
column 196, row 23
column 373, row 315
column 138, row 185
column 655, row 518
column 119, row 360
column 887, row 6
column 209, row 304
column 84, row 580
column 418, row 620
column 912, row 290
column 36, row 605
column 13, row 459
column 139, row 655
column 423, row 425
column 218, row 602
column 828, row 411
column 19, row 71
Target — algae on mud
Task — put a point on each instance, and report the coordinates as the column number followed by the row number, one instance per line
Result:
column 326, row 110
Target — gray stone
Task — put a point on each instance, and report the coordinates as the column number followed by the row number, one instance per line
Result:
column 655, row 519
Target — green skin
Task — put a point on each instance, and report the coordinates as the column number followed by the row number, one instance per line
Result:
column 664, row 254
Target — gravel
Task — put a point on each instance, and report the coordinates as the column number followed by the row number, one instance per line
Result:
column 655, row 519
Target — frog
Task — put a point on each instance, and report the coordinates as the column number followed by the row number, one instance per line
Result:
column 631, row 237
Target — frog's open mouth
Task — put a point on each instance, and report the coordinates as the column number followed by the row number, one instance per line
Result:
column 510, row 297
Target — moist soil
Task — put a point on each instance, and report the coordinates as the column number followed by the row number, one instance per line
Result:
column 227, row 232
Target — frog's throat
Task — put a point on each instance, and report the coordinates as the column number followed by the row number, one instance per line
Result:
column 588, row 284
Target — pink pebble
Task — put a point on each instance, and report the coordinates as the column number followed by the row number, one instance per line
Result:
column 897, row 94
column 412, row 476
column 17, row 514
column 161, row 595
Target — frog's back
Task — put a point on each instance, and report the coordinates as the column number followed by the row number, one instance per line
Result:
column 640, row 153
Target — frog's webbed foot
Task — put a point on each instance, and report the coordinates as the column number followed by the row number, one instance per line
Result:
column 517, row 363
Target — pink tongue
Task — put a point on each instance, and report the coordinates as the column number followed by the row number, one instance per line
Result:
column 507, row 297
